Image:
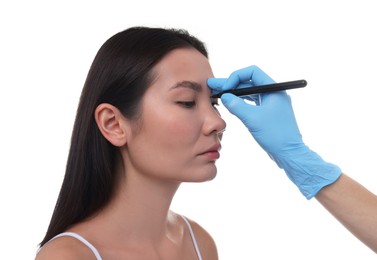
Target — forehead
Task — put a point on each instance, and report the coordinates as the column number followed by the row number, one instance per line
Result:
column 183, row 65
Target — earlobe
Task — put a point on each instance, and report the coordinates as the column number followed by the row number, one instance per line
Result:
column 111, row 123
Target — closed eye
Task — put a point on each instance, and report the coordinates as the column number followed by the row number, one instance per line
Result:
column 187, row 104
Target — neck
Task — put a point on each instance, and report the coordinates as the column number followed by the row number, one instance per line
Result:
column 140, row 209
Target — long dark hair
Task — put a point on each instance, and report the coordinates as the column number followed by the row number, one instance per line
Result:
column 120, row 74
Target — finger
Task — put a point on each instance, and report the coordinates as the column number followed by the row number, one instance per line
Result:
column 238, row 107
column 216, row 83
column 252, row 74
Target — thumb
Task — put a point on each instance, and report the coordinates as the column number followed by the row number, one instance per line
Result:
column 238, row 107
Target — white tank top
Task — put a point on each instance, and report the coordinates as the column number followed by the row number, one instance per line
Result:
column 98, row 256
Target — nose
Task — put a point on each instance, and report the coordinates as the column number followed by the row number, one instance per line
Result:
column 214, row 124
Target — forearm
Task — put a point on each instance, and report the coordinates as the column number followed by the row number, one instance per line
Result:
column 354, row 206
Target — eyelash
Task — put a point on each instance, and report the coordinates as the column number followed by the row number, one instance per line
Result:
column 187, row 104
column 191, row 104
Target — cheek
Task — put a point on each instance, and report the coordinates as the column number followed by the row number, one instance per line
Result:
column 168, row 126
column 173, row 128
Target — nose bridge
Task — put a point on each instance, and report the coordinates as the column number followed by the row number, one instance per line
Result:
column 213, row 122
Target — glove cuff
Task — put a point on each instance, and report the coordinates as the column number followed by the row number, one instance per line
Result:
column 307, row 170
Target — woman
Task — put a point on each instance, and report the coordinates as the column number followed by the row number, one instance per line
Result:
column 145, row 124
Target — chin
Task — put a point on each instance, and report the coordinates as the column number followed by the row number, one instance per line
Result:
column 208, row 175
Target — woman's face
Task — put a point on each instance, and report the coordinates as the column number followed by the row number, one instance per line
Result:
column 179, row 134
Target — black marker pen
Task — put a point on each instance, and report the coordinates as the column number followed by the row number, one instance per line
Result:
column 264, row 88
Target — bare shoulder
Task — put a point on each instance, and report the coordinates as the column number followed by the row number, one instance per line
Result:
column 64, row 248
column 205, row 241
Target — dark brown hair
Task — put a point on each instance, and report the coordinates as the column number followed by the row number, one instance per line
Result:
column 120, row 74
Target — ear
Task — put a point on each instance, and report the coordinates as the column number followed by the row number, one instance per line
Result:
column 112, row 124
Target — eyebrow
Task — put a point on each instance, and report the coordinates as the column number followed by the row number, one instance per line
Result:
column 188, row 84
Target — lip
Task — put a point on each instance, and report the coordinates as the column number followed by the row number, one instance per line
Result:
column 212, row 152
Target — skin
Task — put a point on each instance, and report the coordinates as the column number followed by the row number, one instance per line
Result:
column 176, row 140
column 354, row 206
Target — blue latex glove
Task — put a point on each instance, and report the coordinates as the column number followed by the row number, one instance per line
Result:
column 273, row 125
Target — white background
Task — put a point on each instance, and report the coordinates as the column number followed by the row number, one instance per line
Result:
column 251, row 209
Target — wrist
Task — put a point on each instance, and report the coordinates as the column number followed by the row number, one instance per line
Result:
column 307, row 170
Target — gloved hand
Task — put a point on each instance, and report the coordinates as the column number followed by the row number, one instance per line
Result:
column 273, row 125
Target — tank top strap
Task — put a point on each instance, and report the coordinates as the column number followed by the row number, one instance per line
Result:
column 83, row 240
column 98, row 256
column 192, row 237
